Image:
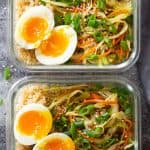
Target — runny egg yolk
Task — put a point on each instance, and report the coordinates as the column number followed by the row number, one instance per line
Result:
column 56, row 44
column 34, row 29
column 59, row 144
column 36, row 123
column 55, row 144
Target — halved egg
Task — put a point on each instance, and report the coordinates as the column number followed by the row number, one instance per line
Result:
column 59, row 47
column 32, row 123
column 34, row 26
column 55, row 141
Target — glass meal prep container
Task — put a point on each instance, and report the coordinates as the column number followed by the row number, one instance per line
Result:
column 76, row 67
column 111, row 81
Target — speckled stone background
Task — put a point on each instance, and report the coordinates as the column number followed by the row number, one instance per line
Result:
column 139, row 74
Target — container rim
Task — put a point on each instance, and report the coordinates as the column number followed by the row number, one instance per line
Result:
column 78, row 68
column 72, row 79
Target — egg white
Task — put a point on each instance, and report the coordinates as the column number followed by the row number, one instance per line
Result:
column 36, row 11
column 24, row 139
column 52, row 136
column 49, row 60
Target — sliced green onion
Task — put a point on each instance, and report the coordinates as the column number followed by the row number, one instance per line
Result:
column 73, row 130
column 86, row 110
column 101, row 4
column 124, row 45
column 94, row 133
column 1, row 101
column 92, row 57
column 102, row 118
column 97, row 36
column 7, row 73
column 67, row 18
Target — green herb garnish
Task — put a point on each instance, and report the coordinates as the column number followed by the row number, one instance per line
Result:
column 130, row 19
column 92, row 21
column 73, row 130
column 86, row 110
column 97, row 36
column 102, row 118
column 112, row 29
column 7, row 73
column 108, row 42
column 83, row 143
column 108, row 143
column 71, row 2
column 58, row 19
column 105, row 61
column 76, row 22
column 95, row 133
column 124, row 45
column 77, row 2
column 96, row 87
column 101, row 4
column 92, row 57
column 68, row 18
column 1, row 101
column 79, row 124
column 42, row 2
column 61, row 124
column 124, row 99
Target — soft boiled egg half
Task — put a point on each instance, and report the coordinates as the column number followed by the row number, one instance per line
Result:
column 32, row 123
column 34, row 26
column 59, row 47
column 55, row 141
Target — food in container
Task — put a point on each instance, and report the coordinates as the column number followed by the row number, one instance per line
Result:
column 86, row 32
column 98, row 114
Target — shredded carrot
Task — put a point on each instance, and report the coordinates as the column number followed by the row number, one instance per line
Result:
column 70, row 118
column 113, row 42
column 106, row 53
column 106, row 102
column 119, row 39
column 129, row 122
column 77, row 58
column 56, row 116
column 89, row 52
column 119, row 53
column 77, row 9
column 84, row 42
column 95, row 96
column 126, row 135
column 127, row 132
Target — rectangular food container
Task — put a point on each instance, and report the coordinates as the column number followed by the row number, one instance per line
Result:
column 111, row 80
column 80, row 68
